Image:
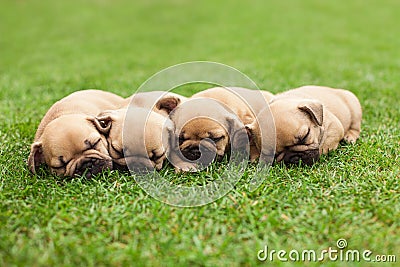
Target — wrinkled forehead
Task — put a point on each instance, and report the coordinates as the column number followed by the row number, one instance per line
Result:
column 198, row 108
column 71, row 137
column 288, row 112
column 284, row 104
column 202, row 124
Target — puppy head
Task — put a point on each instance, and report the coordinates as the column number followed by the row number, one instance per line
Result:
column 199, row 129
column 205, row 126
column 135, row 137
column 299, row 129
column 71, row 145
column 110, row 123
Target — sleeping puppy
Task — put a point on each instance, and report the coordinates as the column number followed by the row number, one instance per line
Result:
column 135, row 137
column 135, row 131
column 68, row 138
column 245, row 103
column 204, row 130
column 312, row 120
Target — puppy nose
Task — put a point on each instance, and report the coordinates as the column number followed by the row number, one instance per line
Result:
column 92, row 167
column 89, row 164
column 308, row 157
column 192, row 153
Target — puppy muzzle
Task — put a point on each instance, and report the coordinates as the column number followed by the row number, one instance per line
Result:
column 192, row 152
column 92, row 166
column 307, row 157
column 206, row 153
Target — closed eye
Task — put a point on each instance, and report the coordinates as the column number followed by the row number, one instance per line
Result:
column 63, row 163
column 96, row 143
column 216, row 139
column 155, row 157
column 117, row 150
column 91, row 145
column 181, row 139
column 302, row 140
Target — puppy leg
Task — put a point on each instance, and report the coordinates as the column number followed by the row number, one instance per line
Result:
column 254, row 153
column 180, row 164
column 333, row 134
column 353, row 133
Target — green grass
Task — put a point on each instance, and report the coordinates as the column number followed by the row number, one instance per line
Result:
column 49, row 49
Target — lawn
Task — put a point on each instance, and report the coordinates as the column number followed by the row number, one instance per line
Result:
column 49, row 49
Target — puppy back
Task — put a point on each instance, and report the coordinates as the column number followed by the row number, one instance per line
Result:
column 89, row 102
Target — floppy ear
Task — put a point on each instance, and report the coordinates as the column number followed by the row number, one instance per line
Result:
column 250, row 131
column 36, row 157
column 102, row 122
column 238, row 134
column 168, row 103
column 168, row 135
column 314, row 109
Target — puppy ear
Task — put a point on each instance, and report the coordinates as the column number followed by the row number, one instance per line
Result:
column 250, row 131
column 168, row 137
column 102, row 122
column 36, row 157
column 168, row 103
column 314, row 109
column 238, row 134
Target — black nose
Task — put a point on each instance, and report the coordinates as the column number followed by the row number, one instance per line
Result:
column 308, row 157
column 91, row 167
column 192, row 153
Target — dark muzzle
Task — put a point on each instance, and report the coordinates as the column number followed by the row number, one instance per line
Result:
column 192, row 153
column 308, row 157
column 92, row 167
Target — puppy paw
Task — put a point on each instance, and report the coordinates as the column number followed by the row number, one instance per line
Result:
column 351, row 136
column 186, row 167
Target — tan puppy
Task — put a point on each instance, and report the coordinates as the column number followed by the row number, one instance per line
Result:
column 135, row 137
column 68, row 139
column 134, row 131
column 245, row 103
column 312, row 120
column 204, row 129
